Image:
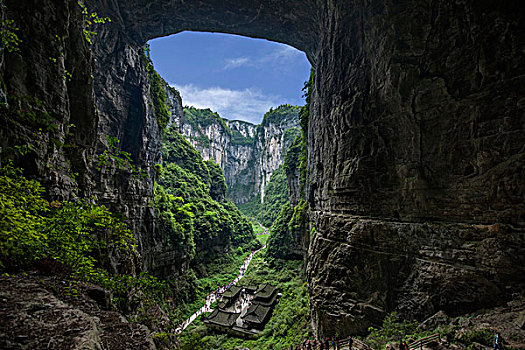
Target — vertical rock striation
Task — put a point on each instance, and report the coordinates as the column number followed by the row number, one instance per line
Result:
column 416, row 161
column 415, row 141
column 247, row 153
column 47, row 95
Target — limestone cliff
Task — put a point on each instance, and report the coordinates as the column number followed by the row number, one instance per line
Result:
column 247, row 153
column 416, row 161
column 415, row 138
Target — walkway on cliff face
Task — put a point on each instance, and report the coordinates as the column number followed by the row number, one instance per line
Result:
column 217, row 294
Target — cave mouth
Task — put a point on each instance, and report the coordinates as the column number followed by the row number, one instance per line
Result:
column 238, row 77
column 255, row 86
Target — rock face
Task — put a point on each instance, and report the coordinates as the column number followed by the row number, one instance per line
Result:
column 39, row 312
column 416, row 161
column 247, row 153
column 415, row 138
column 42, row 106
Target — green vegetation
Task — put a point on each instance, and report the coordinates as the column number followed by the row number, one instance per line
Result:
column 8, row 38
column 283, row 112
column 263, row 238
column 217, row 182
column 295, row 161
column 242, row 189
column 91, row 18
column 395, row 329
column 256, row 227
column 287, row 231
column 480, row 336
column 291, row 134
column 72, row 234
column 290, row 226
column 289, row 324
column 157, row 91
column 174, row 220
column 194, row 218
column 71, row 238
column 240, row 140
column 200, row 185
column 304, row 115
column 201, row 118
column 114, row 156
column 221, row 271
column 276, row 195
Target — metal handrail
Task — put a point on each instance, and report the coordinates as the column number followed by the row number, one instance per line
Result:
column 418, row 344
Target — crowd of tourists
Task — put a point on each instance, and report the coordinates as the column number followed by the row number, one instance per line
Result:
column 217, row 294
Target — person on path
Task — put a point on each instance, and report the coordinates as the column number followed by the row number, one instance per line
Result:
column 336, row 343
column 497, row 341
column 350, row 342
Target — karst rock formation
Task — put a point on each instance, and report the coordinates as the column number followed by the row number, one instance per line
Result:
column 416, row 140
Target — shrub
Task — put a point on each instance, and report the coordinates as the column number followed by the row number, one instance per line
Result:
column 72, row 233
column 393, row 329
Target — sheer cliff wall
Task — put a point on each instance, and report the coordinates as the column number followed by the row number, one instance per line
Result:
column 247, row 153
column 415, row 141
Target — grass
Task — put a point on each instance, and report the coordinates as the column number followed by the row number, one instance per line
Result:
column 289, row 324
column 256, row 227
column 263, row 238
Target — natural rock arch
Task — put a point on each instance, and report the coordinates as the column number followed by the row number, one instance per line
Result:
column 415, row 140
column 414, row 136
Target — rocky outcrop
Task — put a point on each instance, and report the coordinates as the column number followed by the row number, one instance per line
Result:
column 47, row 95
column 415, row 138
column 41, row 312
column 247, row 153
column 415, row 154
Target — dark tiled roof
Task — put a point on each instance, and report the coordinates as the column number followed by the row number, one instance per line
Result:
column 266, row 301
column 265, row 291
column 226, row 319
column 232, row 292
column 250, row 289
column 246, row 331
column 257, row 313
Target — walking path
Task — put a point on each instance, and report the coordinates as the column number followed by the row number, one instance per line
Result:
column 216, row 295
column 264, row 228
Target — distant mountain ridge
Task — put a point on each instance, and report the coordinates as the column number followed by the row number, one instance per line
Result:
column 247, row 153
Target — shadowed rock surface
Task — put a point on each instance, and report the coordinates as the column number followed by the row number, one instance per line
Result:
column 41, row 312
column 415, row 141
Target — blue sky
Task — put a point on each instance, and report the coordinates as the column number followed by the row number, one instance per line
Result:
column 238, row 77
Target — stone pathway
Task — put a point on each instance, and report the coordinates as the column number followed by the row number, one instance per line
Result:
column 211, row 298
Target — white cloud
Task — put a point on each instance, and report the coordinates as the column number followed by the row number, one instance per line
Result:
column 284, row 52
column 236, row 62
column 281, row 56
column 248, row 104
